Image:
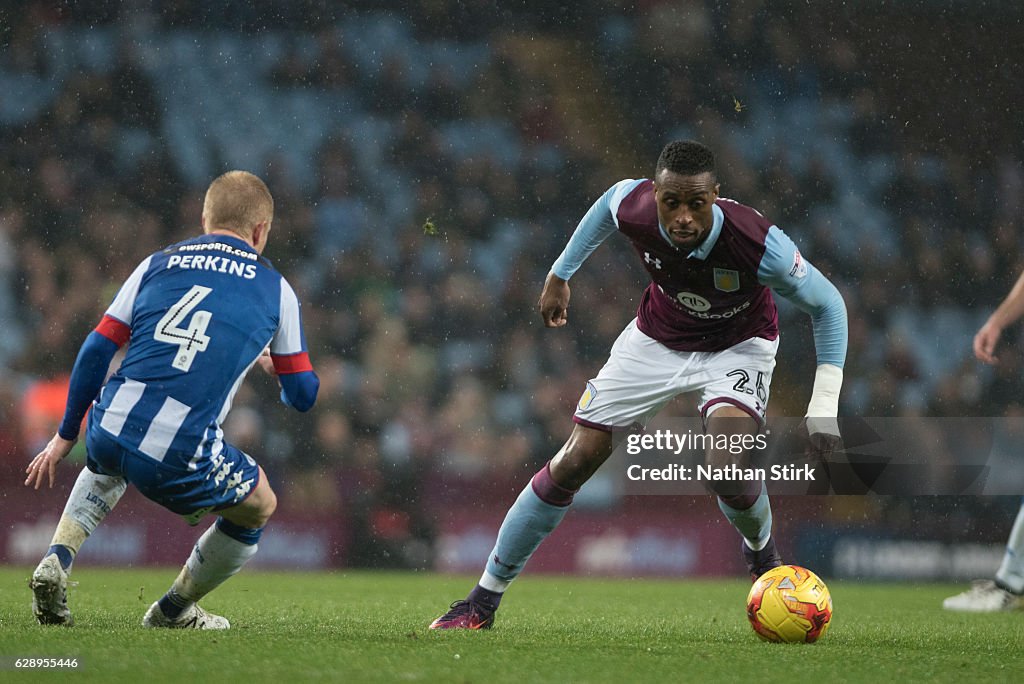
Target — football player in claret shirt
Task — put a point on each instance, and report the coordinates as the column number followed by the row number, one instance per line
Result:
column 196, row 317
column 706, row 323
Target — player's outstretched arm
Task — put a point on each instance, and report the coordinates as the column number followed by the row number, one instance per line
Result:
column 785, row 270
column 554, row 301
column 87, row 378
column 593, row 229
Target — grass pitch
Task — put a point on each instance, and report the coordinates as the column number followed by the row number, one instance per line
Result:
column 365, row 627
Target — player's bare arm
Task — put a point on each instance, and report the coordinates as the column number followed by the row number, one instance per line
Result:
column 44, row 465
column 1011, row 309
column 554, row 302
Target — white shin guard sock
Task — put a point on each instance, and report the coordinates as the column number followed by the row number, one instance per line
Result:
column 91, row 499
column 1011, row 571
column 214, row 559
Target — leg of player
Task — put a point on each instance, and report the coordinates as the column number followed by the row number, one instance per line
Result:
column 1007, row 591
column 1010, row 575
column 533, row 516
column 91, row 499
column 744, row 502
column 220, row 553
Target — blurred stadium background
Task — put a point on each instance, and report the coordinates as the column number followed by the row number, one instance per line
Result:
column 886, row 140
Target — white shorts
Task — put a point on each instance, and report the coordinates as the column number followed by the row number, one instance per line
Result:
column 642, row 375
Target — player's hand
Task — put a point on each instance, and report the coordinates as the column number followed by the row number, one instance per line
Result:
column 267, row 363
column 823, row 437
column 554, row 302
column 45, row 463
column 985, row 342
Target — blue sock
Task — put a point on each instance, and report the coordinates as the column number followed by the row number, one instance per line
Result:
column 246, row 535
column 172, row 605
column 63, row 554
column 534, row 515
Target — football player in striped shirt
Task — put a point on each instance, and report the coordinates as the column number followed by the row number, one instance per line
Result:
column 196, row 316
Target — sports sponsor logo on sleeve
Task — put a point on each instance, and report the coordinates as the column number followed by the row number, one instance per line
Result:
column 799, row 268
column 588, row 397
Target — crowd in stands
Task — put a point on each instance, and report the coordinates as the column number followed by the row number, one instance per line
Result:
column 430, row 160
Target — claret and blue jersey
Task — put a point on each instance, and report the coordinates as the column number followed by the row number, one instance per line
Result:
column 719, row 294
column 196, row 316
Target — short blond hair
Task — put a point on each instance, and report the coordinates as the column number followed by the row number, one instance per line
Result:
column 237, row 200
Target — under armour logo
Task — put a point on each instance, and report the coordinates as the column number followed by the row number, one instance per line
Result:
column 652, row 260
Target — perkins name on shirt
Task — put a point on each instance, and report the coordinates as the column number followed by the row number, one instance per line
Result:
column 210, row 262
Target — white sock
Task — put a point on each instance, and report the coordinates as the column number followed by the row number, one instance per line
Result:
column 492, row 583
column 91, row 499
column 1011, row 571
column 214, row 559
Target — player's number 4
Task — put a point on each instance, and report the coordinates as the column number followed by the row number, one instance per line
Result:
column 192, row 339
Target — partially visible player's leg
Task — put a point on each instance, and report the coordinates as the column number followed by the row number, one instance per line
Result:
column 221, row 552
column 537, row 511
column 744, row 503
column 1007, row 591
column 630, row 388
column 734, row 402
column 1010, row 575
column 92, row 498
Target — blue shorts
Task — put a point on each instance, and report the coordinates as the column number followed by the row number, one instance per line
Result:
column 216, row 483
